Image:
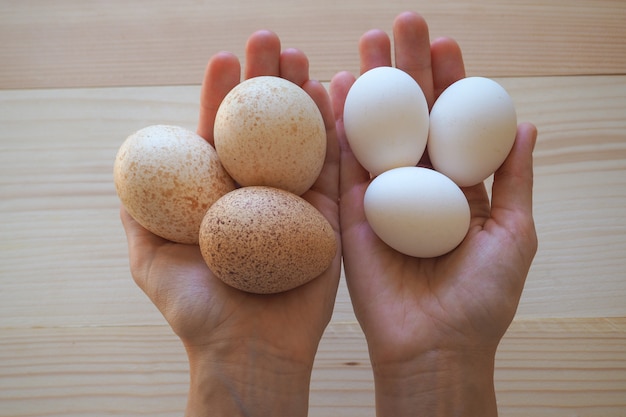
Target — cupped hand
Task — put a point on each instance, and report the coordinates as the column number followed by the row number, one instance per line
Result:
column 467, row 298
column 203, row 311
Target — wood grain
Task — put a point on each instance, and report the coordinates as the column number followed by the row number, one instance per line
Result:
column 549, row 368
column 562, row 368
column 96, row 43
column 59, row 206
column 579, row 194
column 78, row 338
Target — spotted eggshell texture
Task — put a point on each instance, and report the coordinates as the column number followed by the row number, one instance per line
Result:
column 167, row 177
column 417, row 211
column 472, row 129
column 269, row 131
column 266, row 240
column 386, row 120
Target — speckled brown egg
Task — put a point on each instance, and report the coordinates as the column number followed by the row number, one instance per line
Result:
column 167, row 177
column 269, row 131
column 266, row 240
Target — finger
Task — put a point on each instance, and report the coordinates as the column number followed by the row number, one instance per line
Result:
column 478, row 200
column 262, row 54
column 324, row 194
column 294, row 66
column 412, row 50
column 139, row 240
column 447, row 67
column 374, row 50
column 136, row 234
column 351, row 171
column 327, row 183
column 511, row 201
column 320, row 96
column 447, row 64
column 353, row 178
column 221, row 75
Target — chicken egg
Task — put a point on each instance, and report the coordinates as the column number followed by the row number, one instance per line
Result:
column 386, row 120
column 472, row 129
column 417, row 211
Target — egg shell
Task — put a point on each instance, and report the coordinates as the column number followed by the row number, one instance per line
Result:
column 472, row 129
column 417, row 211
column 167, row 177
column 386, row 120
column 266, row 240
column 269, row 131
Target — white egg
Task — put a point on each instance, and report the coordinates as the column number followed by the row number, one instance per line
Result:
column 417, row 211
column 472, row 129
column 386, row 120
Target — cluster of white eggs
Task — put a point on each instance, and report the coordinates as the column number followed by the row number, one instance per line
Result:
column 468, row 134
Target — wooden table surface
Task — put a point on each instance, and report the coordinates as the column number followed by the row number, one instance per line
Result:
column 78, row 338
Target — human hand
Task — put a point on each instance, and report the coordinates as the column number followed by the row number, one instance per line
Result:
column 249, row 354
column 433, row 325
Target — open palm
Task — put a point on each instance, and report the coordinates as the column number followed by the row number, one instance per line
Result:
column 202, row 310
column 467, row 298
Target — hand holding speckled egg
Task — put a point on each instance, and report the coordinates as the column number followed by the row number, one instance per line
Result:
column 248, row 351
column 270, row 139
column 264, row 238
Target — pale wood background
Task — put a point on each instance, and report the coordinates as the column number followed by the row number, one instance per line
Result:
column 77, row 338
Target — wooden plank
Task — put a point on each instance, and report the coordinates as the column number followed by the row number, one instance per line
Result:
column 579, row 194
column 547, row 368
column 71, row 43
column 63, row 258
column 78, row 338
column 563, row 368
column 95, row 371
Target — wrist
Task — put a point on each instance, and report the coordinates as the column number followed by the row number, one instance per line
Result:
column 245, row 380
column 437, row 383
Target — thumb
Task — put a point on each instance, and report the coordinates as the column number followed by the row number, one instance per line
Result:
column 511, row 205
column 352, row 172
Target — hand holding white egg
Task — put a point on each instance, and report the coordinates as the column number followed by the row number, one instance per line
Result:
column 471, row 129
